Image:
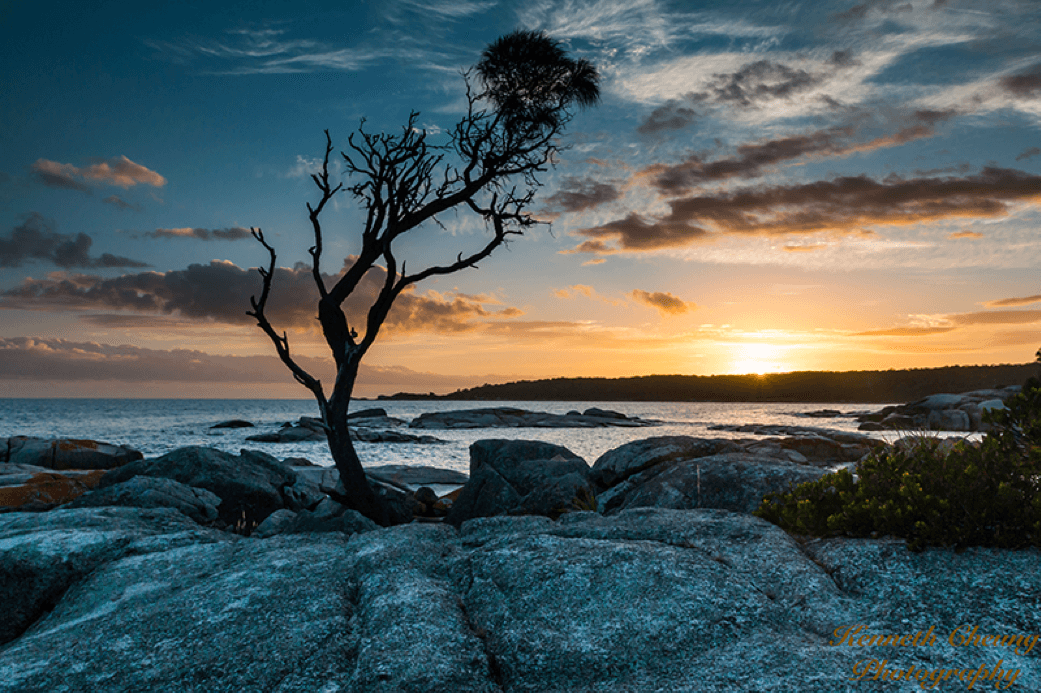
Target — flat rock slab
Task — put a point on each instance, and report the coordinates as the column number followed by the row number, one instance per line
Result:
column 418, row 475
column 645, row 600
column 510, row 417
column 247, row 615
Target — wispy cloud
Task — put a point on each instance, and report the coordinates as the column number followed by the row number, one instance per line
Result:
column 119, row 171
column 1013, row 302
column 234, row 233
column 269, row 51
column 119, row 202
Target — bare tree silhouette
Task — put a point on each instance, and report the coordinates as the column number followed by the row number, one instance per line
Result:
column 520, row 97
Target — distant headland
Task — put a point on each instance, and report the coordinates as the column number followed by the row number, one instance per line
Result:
column 800, row 386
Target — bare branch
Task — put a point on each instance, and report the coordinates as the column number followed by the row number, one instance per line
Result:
column 322, row 181
column 281, row 342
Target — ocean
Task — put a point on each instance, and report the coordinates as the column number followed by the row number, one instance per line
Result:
column 157, row 426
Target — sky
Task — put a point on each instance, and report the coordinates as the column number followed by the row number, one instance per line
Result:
column 765, row 186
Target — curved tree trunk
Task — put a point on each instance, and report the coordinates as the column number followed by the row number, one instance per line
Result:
column 354, row 488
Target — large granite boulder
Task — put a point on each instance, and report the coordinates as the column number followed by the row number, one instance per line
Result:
column 251, row 485
column 623, row 462
column 243, row 615
column 520, row 477
column 43, row 555
column 65, row 453
column 729, row 481
column 154, row 492
column 644, row 600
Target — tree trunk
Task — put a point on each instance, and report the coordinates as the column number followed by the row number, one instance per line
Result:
column 354, row 489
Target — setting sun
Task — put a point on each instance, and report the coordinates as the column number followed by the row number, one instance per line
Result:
column 758, row 358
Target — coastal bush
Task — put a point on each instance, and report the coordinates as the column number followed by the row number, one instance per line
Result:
column 972, row 494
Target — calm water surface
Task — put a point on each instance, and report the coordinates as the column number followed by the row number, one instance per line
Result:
column 157, row 426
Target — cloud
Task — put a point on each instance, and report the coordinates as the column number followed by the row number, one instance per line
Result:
column 761, row 81
column 664, row 302
column 808, row 248
column 36, row 239
column 580, row 194
column 220, row 292
column 121, row 203
column 233, row 233
column 965, row 234
column 634, row 233
column 1025, row 85
column 1013, row 302
column 754, row 158
column 904, row 332
column 55, row 175
column 441, row 10
column 842, row 205
column 997, row 317
column 119, row 171
column 73, row 366
column 673, row 115
column 861, row 11
column 1028, row 153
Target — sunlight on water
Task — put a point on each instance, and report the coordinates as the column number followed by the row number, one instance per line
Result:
column 156, row 427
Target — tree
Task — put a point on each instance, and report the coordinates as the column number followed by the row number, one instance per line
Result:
column 520, row 96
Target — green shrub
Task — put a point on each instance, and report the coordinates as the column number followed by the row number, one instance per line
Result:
column 986, row 494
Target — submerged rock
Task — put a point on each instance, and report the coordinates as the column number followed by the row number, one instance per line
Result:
column 510, row 417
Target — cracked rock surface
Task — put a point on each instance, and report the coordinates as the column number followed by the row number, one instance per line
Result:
column 647, row 599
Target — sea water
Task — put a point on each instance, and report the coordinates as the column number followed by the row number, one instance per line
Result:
column 157, row 426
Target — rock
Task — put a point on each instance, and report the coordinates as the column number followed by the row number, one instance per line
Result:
column 154, row 492
column 275, row 523
column 728, row 481
column 992, row 404
column 414, row 631
column 65, row 453
column 250, row 486
column 375, row 412
column 604, row 413
column 932, row 412
column 44, row 490
column 643, row 600
column 948, row 420
column 417, row 475
column 934, row 402
column 520, row 477
column 44, row 555
column 329, row 516
column 871, row 426
column 822, row 414
column 243, row 615
column 290, row 434
column 622, row 462
column 510, row 417
column 299, row 462
column 367, row 435
column 233, row 423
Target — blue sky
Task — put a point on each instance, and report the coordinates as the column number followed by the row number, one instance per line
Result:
column 765, row 186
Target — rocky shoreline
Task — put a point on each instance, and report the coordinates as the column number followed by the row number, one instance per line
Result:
column 644, row 571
